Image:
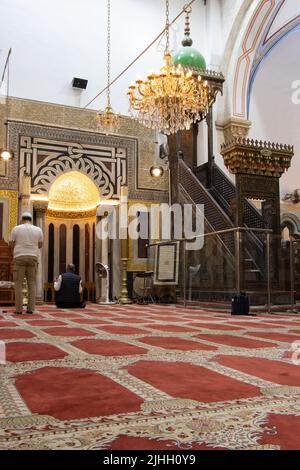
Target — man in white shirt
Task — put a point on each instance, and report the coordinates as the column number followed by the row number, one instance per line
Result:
column 26, row 240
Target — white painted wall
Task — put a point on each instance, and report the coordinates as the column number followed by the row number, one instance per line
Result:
column 274, row 115
column 55, row 40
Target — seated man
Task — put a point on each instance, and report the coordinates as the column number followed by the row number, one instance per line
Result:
column 68, row 288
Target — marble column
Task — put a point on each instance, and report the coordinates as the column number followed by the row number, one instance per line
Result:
column 97, row 260
column 124, row 297
column 105, row 261
column 25, row 204
column 102, row 246
column 40, row 213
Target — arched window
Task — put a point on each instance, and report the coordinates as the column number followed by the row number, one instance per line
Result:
column 76, row 248
column 62, row 248
column 87, row 252
column 94, row 250
column 50, row 253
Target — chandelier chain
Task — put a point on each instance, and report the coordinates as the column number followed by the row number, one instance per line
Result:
column 146, row 49
column 108, row 121
column 108, row 52
column 167, row 25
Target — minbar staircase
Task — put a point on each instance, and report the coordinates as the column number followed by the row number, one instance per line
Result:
column 219, row 216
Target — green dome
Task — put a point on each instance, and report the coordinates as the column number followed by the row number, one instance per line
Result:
column 189, row 57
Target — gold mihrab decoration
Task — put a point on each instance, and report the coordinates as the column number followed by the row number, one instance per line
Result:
column 73, row 191
column 256, row 157
column 12, row 197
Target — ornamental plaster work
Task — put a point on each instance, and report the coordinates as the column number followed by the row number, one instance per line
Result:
column 51, row 139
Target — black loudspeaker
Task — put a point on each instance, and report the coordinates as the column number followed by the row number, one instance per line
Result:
column 79, row 83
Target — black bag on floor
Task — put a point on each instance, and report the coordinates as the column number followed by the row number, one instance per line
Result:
column 240, row 304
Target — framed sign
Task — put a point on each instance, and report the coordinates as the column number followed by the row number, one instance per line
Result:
column 166, row 264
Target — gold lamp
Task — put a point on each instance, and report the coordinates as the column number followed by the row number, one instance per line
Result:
column 108, row 121
column 156, row 171
column 171, row 99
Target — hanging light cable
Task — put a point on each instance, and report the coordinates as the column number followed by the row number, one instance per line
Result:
column 108, row 121
column 5, row 153
column 172, row 99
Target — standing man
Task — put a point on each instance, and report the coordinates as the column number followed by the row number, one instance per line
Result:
column 26, row 240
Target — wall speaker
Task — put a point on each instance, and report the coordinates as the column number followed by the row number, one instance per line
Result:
column 79, row 83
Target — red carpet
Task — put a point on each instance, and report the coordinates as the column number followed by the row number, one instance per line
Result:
column 6, row 333
column 122, row 330
column 68, row 394
column 251, row 324
column 148, row 377
column 273, row 371
column 171, row 328
column 68, row 332
column 236, row 341
column 19, row 352
column 177, row 343
column 196, row 383
column 26, row 317
column 46, row 323
column 283, row 431
column 91, row 321
column 215, row 326
column 7, row 324
column 276, row 336
column 108, row 347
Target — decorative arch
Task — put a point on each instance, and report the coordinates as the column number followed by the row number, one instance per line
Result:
column 264, row 29
column 292, row 222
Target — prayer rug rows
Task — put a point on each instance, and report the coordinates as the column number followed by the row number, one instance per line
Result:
column 148, row 377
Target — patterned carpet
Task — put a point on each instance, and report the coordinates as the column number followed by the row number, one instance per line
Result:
column 149, row 377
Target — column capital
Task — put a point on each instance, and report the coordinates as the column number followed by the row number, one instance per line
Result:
column 234, row 127
column 40, row 208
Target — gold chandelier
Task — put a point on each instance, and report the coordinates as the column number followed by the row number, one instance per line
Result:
column 172, row 99
column 108, row 121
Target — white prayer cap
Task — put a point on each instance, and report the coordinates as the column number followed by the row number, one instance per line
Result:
column 27, row 215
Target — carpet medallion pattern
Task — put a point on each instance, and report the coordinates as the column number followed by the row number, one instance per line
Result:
column 149, row 377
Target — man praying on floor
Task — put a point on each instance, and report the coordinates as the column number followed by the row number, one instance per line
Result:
column 26, row 240
column 68, row 287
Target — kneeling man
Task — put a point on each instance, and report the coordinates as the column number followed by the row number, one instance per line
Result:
column 68, row 288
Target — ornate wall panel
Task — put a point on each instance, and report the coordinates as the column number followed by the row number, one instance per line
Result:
column 45, row 152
